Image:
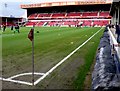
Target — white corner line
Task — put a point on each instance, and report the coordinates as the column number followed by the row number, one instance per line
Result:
column 30, row 73
column 10, row 79
column 16, row 81
column 63, row 60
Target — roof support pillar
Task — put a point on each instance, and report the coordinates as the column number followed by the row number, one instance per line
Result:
column 118, row 15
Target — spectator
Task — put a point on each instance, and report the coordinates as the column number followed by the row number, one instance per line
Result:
column 4, row 27
column 33, row 25
column 118, row 34
column 17, row 29
column 12, row 27
column 0, row 27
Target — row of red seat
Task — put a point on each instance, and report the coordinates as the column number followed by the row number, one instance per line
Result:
column 69, row 23
column 96, row 23
column 8, row 23
column 68, row 15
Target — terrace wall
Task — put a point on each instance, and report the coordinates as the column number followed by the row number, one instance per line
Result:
column 106, row 74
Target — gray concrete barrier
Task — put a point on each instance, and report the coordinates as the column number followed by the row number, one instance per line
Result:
column 105, row 76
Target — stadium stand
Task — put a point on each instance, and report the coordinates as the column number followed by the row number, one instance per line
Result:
column 87, row 23
column 68, row 17
column 32, row 16
column 43, row 15
column 31, row 23
column 66, row 13
column 40, row 23
column 104, row 14
column 100, row 23
column 89, row 14
column 74, row 14
column 58, row 15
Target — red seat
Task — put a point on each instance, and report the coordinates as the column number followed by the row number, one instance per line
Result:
column 32, row 16
column 58, row 15
column 73, row 14
column 43, row 15
column 104, row 13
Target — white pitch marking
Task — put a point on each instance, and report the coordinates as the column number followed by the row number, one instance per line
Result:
column 25, row 74
column 16, row 81
column 21, row 82
column 52, row 69
column 47, row 73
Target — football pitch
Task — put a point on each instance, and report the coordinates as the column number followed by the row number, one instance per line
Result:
column 62, row 57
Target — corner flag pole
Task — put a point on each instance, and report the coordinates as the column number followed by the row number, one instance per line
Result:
column 33, row 58
column 31, row 37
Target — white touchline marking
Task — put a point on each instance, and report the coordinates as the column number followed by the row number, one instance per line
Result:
column 52, row 69
column 16, row 81
column 25, row 74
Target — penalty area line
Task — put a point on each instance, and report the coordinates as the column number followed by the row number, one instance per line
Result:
column 64, row 59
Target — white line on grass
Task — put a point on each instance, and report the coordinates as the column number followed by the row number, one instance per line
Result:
column 30, row 73
column 16, row 81
column 63, row 60
column 10, row 79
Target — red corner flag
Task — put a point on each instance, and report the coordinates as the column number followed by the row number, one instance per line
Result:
column 30, row 35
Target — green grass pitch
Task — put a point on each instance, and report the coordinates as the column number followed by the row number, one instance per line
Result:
column 52, row 44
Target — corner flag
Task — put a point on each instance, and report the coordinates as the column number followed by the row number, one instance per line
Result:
column 30, row 35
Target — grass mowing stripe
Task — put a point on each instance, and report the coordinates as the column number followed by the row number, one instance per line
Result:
column 50, row 48
column 17, row 49
column 64, row 59
column 89, row 57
